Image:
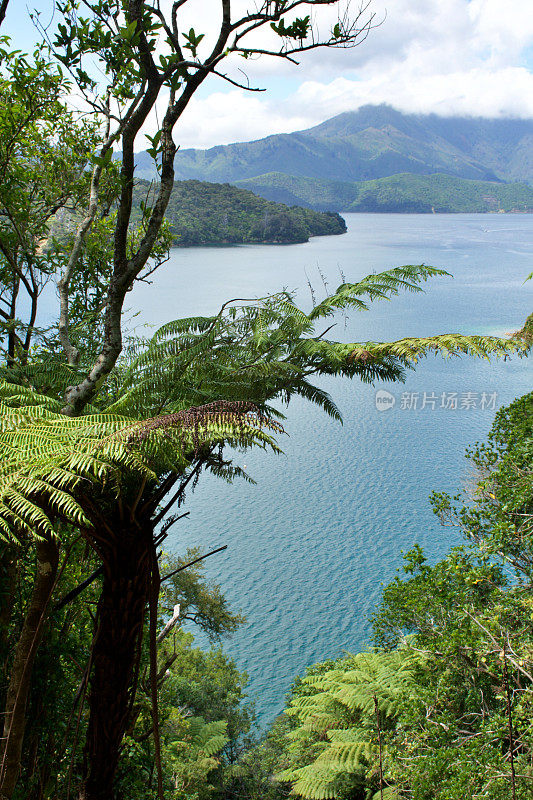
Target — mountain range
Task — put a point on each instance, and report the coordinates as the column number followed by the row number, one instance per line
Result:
column 372, row 143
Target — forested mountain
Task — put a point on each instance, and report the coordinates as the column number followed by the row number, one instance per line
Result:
column 372, row 142
column 216, row 213
column 404, row 192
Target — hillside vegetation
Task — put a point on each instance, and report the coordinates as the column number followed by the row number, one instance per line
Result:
column 211, row 214
column 397, row 193
column 441, row 193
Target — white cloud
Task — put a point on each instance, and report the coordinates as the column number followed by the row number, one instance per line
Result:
column 225, row 117
column 475, row 92
column 454, row 57
column 504, row 31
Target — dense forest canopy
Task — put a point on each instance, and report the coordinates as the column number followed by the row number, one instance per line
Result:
column 399, row 193
column 202, row 213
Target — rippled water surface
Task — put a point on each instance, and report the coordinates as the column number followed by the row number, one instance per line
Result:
column 309, row 545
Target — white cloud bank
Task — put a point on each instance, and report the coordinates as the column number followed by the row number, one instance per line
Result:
column 466, row 57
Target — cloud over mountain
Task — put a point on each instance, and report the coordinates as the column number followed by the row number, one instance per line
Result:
column 462, row 57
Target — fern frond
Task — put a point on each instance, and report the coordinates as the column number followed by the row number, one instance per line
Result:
column 45, row 458
column 381, row 286
column 410, row 350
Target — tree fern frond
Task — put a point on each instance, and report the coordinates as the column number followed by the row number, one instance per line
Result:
column 319, row 398
column 315, row 782
column 382, row 285
column 45, row 456
column 15, row 395
column 410, row 350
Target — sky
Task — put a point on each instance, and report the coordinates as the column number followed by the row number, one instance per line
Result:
column 466, row 57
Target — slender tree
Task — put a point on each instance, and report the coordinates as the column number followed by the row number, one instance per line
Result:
column 44, row 152
column 148, row 57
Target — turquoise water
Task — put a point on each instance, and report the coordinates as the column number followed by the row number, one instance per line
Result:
column 309, row 545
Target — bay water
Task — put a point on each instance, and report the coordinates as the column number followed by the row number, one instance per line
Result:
column 326, row 523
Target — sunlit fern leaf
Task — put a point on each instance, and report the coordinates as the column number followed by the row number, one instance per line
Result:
column 313, row 782
column 15, row 395
column 410, row 350
column 348, row 756
column 46, row 458
column 186, row 325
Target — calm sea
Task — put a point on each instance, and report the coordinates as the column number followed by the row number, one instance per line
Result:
column 310, row 544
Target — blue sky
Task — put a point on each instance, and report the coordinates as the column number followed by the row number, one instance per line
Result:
column 469, row 57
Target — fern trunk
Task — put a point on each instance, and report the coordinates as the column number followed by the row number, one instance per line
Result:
column 8, row 582
column 116, row 653
column 22, row 667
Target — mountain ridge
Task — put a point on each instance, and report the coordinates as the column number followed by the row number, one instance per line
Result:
column 370, row 143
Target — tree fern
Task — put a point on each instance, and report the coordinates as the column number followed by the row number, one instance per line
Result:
column 175, row 401
column 380, row 286
column 266, row 349
column 190, row 748
column 47, row 461
column 340, row 713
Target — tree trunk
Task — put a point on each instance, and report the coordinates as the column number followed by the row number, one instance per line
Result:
column 21, row 671
column 115, row 657
column 8, row 580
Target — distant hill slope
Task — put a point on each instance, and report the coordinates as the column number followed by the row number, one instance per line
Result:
column 209, row 214
column 373, row 142
column 315, row 193
column 397, row 193
column 440, row 194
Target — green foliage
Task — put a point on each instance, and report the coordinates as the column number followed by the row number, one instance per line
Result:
column 298, row 28
column 49, row 461
column 200, row 602
column 499, row 519
column 339, row 720
column 191, row 755
column 401, row 193
column 205, row 722
column 210, row 214
column 205, row 715
column 50, row 738
column 44, row 150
